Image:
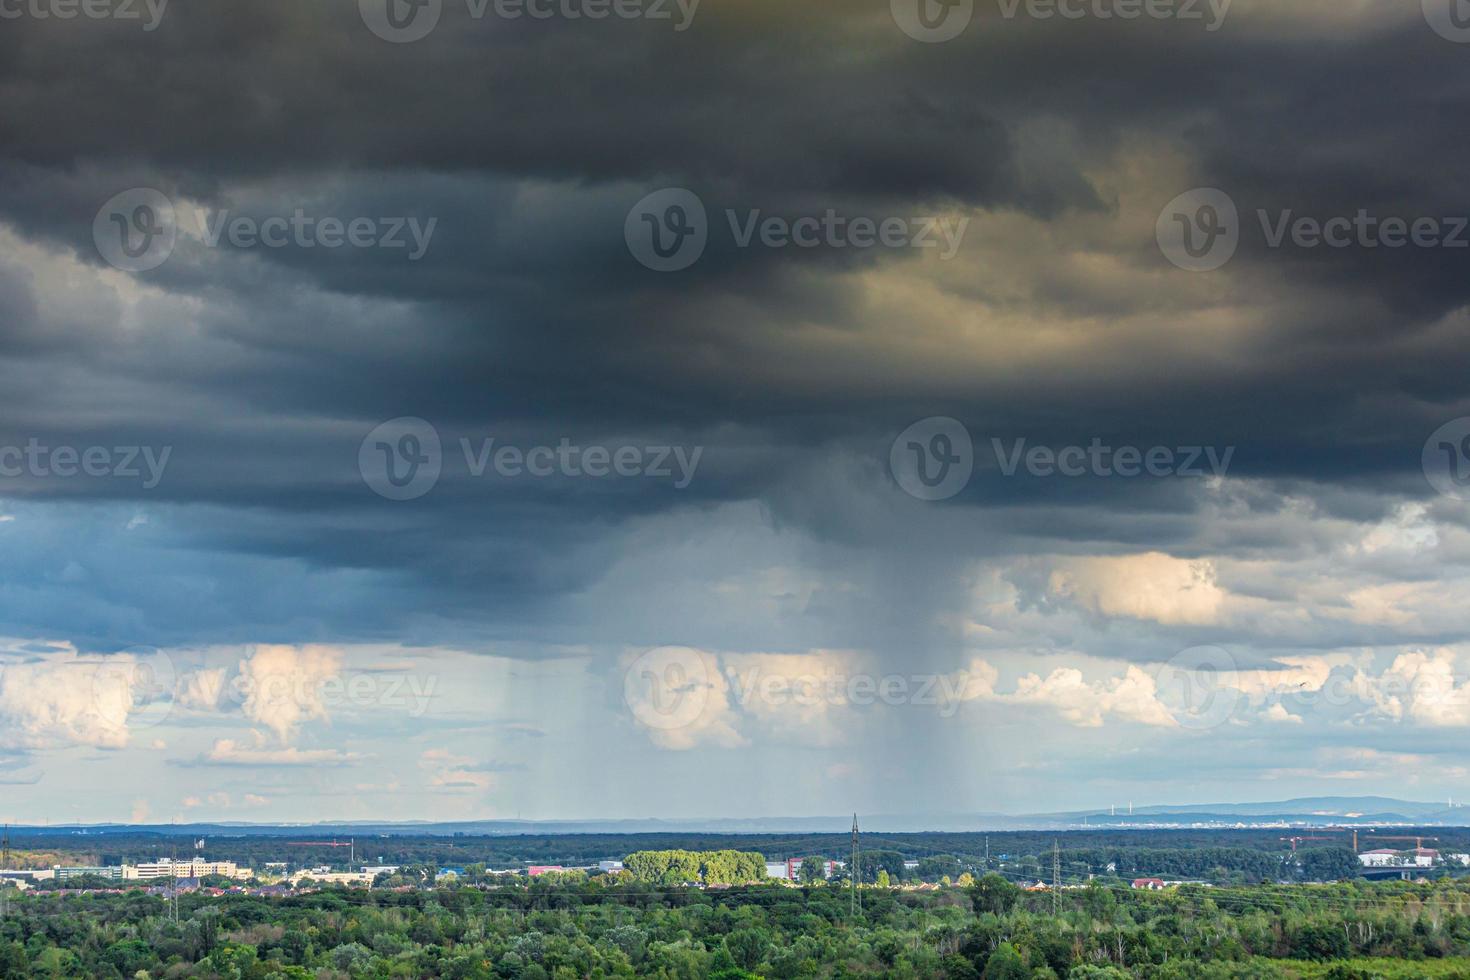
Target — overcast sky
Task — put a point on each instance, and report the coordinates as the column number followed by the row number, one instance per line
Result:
column 739, row 408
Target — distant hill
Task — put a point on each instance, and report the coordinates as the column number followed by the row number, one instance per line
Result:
column 1312, row 811
column 1340, row 806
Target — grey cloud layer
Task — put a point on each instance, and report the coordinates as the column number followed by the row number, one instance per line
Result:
column 528, row 320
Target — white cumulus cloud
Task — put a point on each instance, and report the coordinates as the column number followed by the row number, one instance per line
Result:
column 1152, row 586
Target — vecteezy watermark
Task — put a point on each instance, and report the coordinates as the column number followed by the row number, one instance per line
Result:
column 142, row 686
column 43, row 461
column 1446, row 459
column 393, row 689
column 1201, row 229
column 309, row 231
column 1211, row 13
column 405, row 21
column 671, row 687
column 138, row 229
column 1450, row 19
column 133, row 688
column 667, row 688
column 754, row 687
column 677, row 463
column 933, row 21
column 1204, row 687
column 832, row 230
column 1098, row 458
column 150, row 12
column 934, row 458
column 668, row 230
column 1200, row 687
column 402, row 459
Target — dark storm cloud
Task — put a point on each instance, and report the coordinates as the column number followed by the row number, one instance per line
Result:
column 528, row 319
column 221, row 91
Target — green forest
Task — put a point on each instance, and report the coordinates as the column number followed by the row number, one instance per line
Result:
column 988, row 929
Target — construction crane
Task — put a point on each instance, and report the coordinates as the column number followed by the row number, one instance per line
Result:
column 1330, row 830
column 350, row 842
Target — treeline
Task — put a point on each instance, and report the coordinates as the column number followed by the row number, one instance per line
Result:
column 1218, row 865
column 583, row 849
column 990, row 931
column 1195, row 931
column 707, row 867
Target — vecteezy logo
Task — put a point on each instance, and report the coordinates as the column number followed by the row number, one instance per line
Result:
column 401, row 21
column 933, row 458
column 1199, row 230
column 134, row 688
column 1446, row 459
column 667, row 230
column 932, row 21
column 667, row 688
column 401, row 459
column 135, row 230
column 1200, row 687
column 1449, row 18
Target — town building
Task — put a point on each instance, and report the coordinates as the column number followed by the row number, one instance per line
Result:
column 1422, row 857
column 323, row 877
column 114, row 873
column 193, row 868
column 793, row 868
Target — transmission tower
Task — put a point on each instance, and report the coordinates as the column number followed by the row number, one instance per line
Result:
column 173, row 877
column 857, row 902
column 5, row 863
column 1056, row 878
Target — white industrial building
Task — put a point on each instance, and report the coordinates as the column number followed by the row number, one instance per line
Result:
column 1422, row 857
column 193, row 868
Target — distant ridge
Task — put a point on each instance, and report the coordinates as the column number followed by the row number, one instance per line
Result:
column 1315, row 811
